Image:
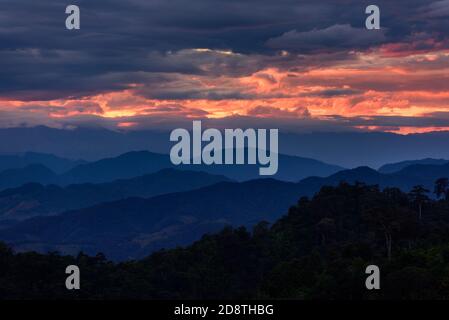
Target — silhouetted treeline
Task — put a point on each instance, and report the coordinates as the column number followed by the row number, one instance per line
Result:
column 319, row 250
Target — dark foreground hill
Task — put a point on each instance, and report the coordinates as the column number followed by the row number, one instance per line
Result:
column 33, row 199
column 319, row 250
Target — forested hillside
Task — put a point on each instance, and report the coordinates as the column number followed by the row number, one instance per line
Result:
column 318, row 250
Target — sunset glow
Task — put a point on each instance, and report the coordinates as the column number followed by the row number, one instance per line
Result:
column 318, row 72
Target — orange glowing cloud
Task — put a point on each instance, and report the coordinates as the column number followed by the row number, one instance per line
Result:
column 375, row 83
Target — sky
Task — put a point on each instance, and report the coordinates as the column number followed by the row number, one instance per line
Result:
column 296, row 65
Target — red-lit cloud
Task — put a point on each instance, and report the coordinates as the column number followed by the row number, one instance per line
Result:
column 308, row 63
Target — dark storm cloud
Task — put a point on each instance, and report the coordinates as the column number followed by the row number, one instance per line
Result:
column 268, row 111
column 329, row 93
column 167, row 117
column 336, row 36
column 439, row 9
column 121, row 42
column 288, row 123
column 440, row 119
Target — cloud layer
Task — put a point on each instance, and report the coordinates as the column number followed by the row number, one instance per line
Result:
column 139, row 62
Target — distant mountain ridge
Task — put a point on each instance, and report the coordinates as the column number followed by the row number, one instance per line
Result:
column 133, row 227
column 138, row 163
column 127, row 165
column 395, row 167
column 405, row 179
column 34, row 199
column 346, row 149
column 31, row 173
column 52, row 162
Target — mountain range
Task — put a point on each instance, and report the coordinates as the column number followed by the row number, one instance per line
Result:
column 134, row 227
column 404, row 179
column 11, row 178
column 345, row 149
column 35, row 199
column 395, row 167
column 52, row 162
column 138, row 163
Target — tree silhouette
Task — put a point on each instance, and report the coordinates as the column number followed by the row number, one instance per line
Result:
column 441, row 188
column 386, row 211
column 325, row 227
column 418, row 197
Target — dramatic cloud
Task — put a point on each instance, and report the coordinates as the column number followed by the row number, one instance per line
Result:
column 136, row 61
column 335, row 37
column 438, row 9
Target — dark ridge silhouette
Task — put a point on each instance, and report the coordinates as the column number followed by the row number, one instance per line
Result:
column 134, row 227
column 21, row 160
column 35, row 172
column 404, row 179
column 346, row 149
column 128, row 165
column 35, row 199
column 395, row 167
column 138, row 163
